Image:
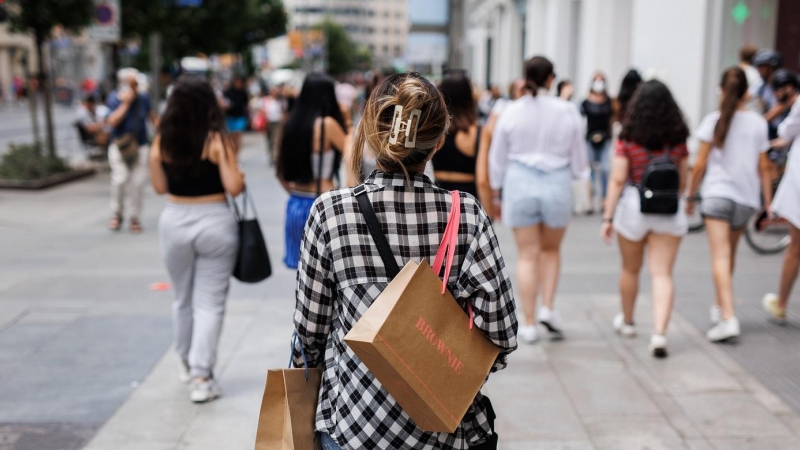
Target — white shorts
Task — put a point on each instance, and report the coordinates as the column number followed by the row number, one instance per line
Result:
column 631, row 224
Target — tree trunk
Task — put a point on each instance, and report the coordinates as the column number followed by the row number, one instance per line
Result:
column 44, row 85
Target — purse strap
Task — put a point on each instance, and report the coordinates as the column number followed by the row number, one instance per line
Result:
column 246, row 199
column 320, row 155
column 375, row 230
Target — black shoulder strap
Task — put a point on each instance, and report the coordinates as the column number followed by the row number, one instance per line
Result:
column 478, row 141
column 320, row 154
column 375, row 230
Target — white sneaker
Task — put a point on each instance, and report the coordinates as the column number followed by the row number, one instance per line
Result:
column 658, row 346
column 714, row 315
column 183, row 372
column 551, row 319
column 727, row 329
column 772, row 307
column 204, row 391
column 622, row 328
column 528, row 334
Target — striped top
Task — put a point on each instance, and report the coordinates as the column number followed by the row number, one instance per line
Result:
column 639, row 159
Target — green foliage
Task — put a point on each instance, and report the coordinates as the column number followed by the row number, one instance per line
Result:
column 40, row 16
column 217, row 26
column 340, row 50
column 363, row 59
column 27, row 162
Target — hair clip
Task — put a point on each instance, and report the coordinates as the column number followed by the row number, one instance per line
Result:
column 398, row 124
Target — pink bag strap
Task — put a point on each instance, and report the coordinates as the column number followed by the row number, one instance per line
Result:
column 447, row 248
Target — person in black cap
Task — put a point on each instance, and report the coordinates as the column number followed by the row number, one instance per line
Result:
column 768, row 61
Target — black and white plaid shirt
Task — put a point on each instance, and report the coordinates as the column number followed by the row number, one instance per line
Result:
column 341, row 274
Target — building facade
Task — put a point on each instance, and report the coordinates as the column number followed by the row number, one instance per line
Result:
column 382, row 26
column 685, row 43
column 14, row 50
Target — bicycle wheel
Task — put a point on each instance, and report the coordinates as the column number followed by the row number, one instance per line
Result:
column 767, row 237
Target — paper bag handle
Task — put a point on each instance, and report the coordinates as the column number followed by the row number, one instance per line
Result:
column 302, row 353
column 447, row 248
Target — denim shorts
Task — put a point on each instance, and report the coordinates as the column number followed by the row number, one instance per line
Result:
column 532, row 196
column 328, row 443
column 728, row 210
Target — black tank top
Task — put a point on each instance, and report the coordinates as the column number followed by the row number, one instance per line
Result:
column 450, row 159
column 207, row 181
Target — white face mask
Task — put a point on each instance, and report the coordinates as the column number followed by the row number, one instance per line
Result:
column 598, row 86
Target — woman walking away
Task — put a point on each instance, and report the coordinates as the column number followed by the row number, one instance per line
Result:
column 630, row 82
column 598, row 111
column 537, row 149
column 654, row 132
column 733, row 164
column 306, row 168
column 786, row 205
column 454, row 164
column 236, row 101
column 341, row 271
column 194, row 163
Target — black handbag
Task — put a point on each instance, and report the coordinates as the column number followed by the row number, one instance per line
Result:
column 252, row 262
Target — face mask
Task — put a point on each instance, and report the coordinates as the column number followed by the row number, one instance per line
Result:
column 598, row 86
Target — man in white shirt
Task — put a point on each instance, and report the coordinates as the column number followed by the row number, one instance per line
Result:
column 754, row 81
column 91, row 117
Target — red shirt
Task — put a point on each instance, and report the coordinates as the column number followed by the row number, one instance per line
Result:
column 638, row 158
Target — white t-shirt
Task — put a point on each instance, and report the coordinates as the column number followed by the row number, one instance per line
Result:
column 732, row 172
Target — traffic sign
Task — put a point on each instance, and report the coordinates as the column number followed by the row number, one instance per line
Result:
column 106, row 21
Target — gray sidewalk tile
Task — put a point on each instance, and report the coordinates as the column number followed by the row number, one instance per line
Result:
column 756, row 443
column 542, row 444
column 732, row 415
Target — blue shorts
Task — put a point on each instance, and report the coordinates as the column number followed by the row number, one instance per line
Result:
column 236, row 123
column 297, row 210
column 532, row 196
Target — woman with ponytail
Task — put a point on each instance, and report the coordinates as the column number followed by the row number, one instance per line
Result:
column 341, row 272
column 537, row 149
column 735, row 171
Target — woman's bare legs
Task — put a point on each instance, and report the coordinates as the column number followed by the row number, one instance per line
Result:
column 529, row 255
column 791, row 266
column 663, row 250
column 632, row 256
column 723, row 242
column 550, row 268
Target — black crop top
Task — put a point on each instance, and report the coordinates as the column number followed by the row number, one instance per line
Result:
column 450, row 159
column 206, row 182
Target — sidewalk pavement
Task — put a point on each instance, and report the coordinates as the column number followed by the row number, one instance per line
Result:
column 84, row 346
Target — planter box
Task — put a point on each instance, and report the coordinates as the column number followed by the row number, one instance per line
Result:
column 47, row 182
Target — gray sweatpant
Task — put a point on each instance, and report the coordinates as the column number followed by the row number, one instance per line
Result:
column 199, row 245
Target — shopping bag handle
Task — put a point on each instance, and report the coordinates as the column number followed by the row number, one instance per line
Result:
column 447, row 248
column 302, row 353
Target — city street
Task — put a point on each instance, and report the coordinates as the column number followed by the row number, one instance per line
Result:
column 86, row 360
column 15, row 128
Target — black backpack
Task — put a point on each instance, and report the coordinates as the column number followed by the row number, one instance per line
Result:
column 659, row 190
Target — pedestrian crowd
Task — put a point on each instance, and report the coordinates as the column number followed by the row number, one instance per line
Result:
column 401, row 144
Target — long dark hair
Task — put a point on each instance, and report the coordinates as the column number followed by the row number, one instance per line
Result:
column 734, row 87
column 537, row 70
column 192, row 113
column 630, row 82
column 457, row 91
column 654, row 119
column 317, row 99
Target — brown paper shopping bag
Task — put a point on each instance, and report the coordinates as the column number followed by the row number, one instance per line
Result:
column 288, row 409
column 420, row 344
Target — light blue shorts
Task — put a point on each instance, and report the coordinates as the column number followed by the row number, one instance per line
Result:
column 532, row 196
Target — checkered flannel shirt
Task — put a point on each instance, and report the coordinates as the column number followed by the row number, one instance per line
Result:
column 341, row 274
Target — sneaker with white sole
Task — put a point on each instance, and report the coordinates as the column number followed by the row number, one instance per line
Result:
column 622, row 328
column 201, row 391
column 528, row 334
column 183, row 372
column 725, row 330
column 551, row 319
column 658, row 346
column 771, row 304
column 714, row 315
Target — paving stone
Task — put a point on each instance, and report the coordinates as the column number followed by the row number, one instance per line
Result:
column 732, row 415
